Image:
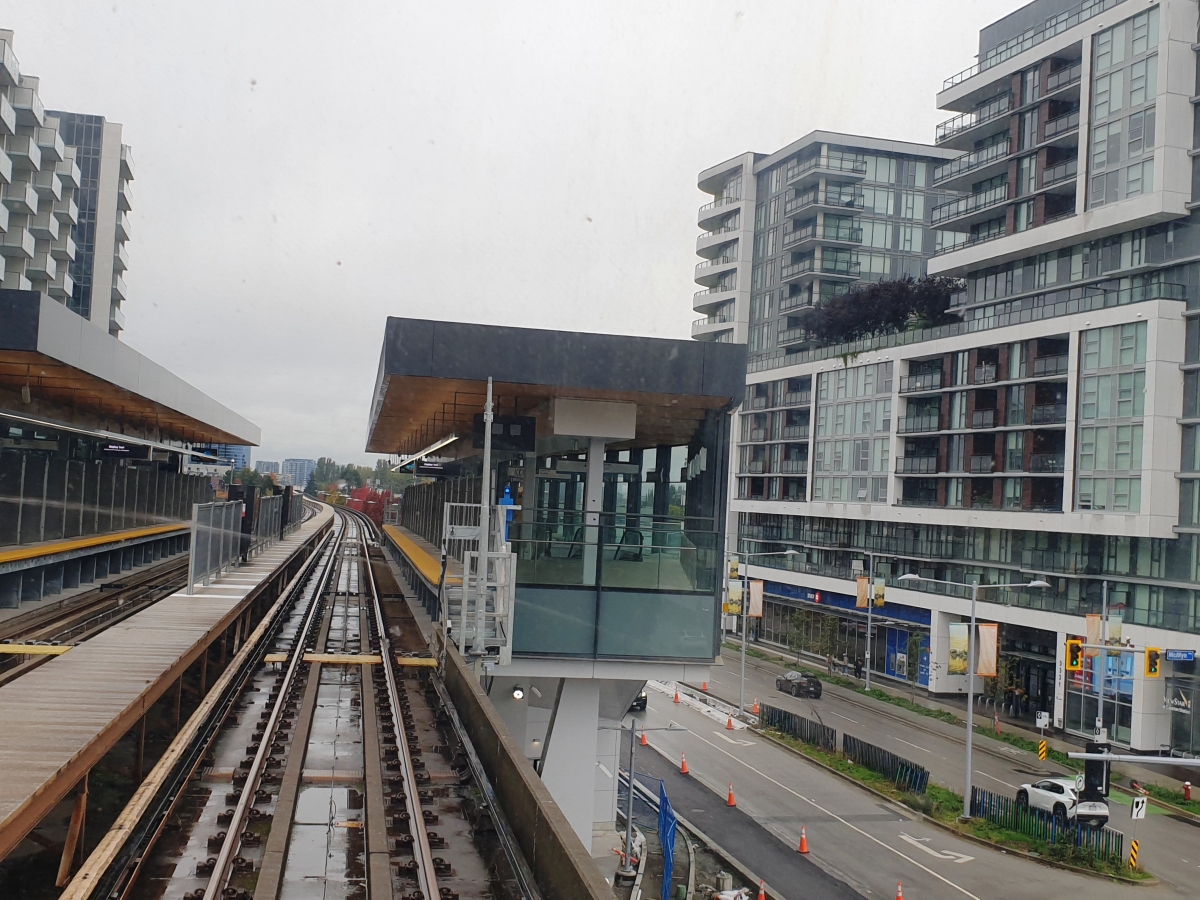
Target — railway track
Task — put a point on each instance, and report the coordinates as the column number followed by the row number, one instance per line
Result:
column 328, row 763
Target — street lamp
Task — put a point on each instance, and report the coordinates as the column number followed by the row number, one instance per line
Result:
column 627, row 870
column 746, row 608
column 975, row 588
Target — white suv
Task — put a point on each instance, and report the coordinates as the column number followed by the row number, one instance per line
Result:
column 1057, row 796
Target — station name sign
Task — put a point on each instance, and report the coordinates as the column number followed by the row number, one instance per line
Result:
column 1181, row 655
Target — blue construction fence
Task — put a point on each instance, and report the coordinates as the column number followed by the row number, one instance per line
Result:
column 1037, row 823
column 906, row 775
column 800, row 728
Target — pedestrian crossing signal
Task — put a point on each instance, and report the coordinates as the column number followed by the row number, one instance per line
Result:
column 1074, row 655
column 1153, row 659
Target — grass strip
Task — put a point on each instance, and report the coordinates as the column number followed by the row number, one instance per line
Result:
column 1175, row 798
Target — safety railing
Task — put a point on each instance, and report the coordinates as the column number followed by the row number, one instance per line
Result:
column 1037, row 823
column 907, row 775
column 798, row 727
column 268, row 523
column 216, row 540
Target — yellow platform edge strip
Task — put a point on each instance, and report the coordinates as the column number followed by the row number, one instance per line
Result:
column 83, row 543
column 35, row 649
column 363, row 659
column 430, row 568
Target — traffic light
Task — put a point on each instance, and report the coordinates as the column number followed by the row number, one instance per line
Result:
column 1074, row 655
column 1153, row 658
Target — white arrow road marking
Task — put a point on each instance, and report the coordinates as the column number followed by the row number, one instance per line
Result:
column 919, row 843
column 732, row 741
column 835, row 816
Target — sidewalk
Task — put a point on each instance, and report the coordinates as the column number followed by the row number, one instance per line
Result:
column 1058, row 741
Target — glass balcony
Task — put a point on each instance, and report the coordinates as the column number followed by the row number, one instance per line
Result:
column 966, row 121
column 794, row 466
column 797, row 398
column 827, row 233
column 794, row 432
column 985, row 374
column 1049, row 414
column 1064, row 171
column 929, row 381
column 983, row 418
column 1063, row 78
column 708, row 321
column 972, row 203
column 916, row 424
column 1049, row 365
column 916, row 465
column 754, row 467
column 844, row 165
column 1043, row 463
column 815, row 197
column 719, row 202
column 969, row 162
column 982, row 465
column 1060, row 126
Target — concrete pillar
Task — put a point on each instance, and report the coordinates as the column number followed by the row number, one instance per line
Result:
column 608, row 758
column 569, row 764
column 593, row 505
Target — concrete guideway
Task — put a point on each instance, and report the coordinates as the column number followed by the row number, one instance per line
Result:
column 854, row 836
column 1168, row 844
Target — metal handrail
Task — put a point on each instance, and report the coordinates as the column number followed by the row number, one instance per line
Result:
column 969, row 204
column 994, row 108
column 971, row 161
column 721, row 201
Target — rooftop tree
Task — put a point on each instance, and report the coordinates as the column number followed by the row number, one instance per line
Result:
column 882, row 307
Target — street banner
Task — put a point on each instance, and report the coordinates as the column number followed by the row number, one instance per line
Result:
column 958, row 648
column 1114, row 627
column 756, row 594
column 864, row 587
column 1093, row 635
column 879, row 592
column 989, row 639
column 666, row 837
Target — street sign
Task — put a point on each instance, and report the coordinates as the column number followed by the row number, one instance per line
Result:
column 1043, row 719
column 1138, row 810
column 1181, row 655
column 1078, row 783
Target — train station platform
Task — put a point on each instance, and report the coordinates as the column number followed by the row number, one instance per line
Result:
column 420, row 563
column 59, row 720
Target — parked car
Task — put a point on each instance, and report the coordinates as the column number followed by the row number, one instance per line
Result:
column 1057, row 796
column 799, row 685
column 639, row 703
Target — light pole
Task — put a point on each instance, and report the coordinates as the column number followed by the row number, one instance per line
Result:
column 746, row 608
column 627, row 870
column 975, row 588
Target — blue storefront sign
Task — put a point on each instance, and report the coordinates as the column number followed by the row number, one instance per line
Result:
column 846, row 601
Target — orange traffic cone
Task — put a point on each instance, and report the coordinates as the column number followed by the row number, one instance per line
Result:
column 762, row 890
column 731, row 801
column 899, row 891
column 756, row 706
column 704, row 686
column 683, row 770
column 803, row 840
column 645, row 743
column 729, row 724
column 676, row 695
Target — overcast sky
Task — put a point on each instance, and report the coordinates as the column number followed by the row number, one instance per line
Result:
column 305, row 169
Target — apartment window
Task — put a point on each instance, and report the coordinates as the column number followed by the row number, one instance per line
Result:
column 760, row 217
column 1029, row 129
column 1109, row 94
column 776, row 179
column 1030, row 85
column 1023, row 216
column 881, row 201
column 1139, row 178
column 912, row 238
column 1141, row 132
column 1012, row 493
column 1014, row 451
column 1106, row 188
column 1106, row 146
column 954, row 492
column 877, row 233
column 881, row 169
column 912, row 205
column 1016, row 362
column 958, row 410
column 774, row 207
column 1145, row 31
column 1026, row 176
column 1143, row 80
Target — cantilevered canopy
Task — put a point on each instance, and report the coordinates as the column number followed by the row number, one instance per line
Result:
column 433, row 379
column 83, row 373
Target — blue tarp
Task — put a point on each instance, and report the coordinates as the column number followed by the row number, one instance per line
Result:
column 666, row 835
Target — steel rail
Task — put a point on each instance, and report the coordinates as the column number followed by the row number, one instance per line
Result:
column 422, row 852
column 233, row 837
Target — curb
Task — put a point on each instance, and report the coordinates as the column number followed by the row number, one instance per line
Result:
column 1054, row 864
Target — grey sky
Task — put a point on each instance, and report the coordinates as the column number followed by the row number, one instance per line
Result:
column 307, row 169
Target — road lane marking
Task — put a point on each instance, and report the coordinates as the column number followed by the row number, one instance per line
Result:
column 921, row 844
column 901, row 740
column 840, row 716
column 833, row 815
column 732, row 741
column 994, row 778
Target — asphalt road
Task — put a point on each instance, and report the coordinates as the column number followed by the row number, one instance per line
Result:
column 869, row 844
column 1169, row 847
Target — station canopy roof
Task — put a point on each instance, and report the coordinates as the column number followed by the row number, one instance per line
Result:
column 78, row 373
column 432, row 380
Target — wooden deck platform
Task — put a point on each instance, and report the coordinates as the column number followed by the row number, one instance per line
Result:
column 57, row 721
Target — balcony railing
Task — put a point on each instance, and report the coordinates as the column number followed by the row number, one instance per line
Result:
column 797, row 398
column 973, row 240
column 701, row 324
column 718, row 261
column 791, row 336
column 929, row 381
column 998, row 106
column 1046, row 463
column 1050, row 365
column 724, row 229
column 794, row 467
column 1061, row 125
column 982, row 465
column 720, row 201
column 794, row 432
column 831, row 163
column 1064, row 171
column 985, row 374
column 756, row 434
column 970, row 161
column 916, row 465
column 715, row 289
column 1049, row 414
column 1063, row 77
column 917, row 424
column 757, row 467
column 815, row 197
column 1032, row 37
column 983, row 418
column 969, row 204
column 798, row 301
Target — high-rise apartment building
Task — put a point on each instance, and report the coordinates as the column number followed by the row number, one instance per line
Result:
column 299, row 470
column 1052, row 433
column 39, row 179
column 266, row 467
column 106, row 167
column 787, row 228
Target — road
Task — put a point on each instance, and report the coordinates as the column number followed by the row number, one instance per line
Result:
column 1169, row 846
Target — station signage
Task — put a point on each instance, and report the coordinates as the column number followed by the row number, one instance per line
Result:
column 125, row 451
column 1181, row 655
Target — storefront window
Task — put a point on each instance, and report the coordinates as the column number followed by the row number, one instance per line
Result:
column 1084, row 695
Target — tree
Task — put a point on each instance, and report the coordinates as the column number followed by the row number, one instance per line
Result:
column 882, row 307
column 915, row 640
column 260, row 480
column 796, row 638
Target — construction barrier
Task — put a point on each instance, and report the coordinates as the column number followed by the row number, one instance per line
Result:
column 907, row 775
column 1037, row 823
column 800, row 728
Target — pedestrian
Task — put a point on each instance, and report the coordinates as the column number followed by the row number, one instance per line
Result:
column 858, row 668
column 829, row 662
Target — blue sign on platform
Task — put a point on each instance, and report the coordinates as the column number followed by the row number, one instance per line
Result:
column 1181, row 655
